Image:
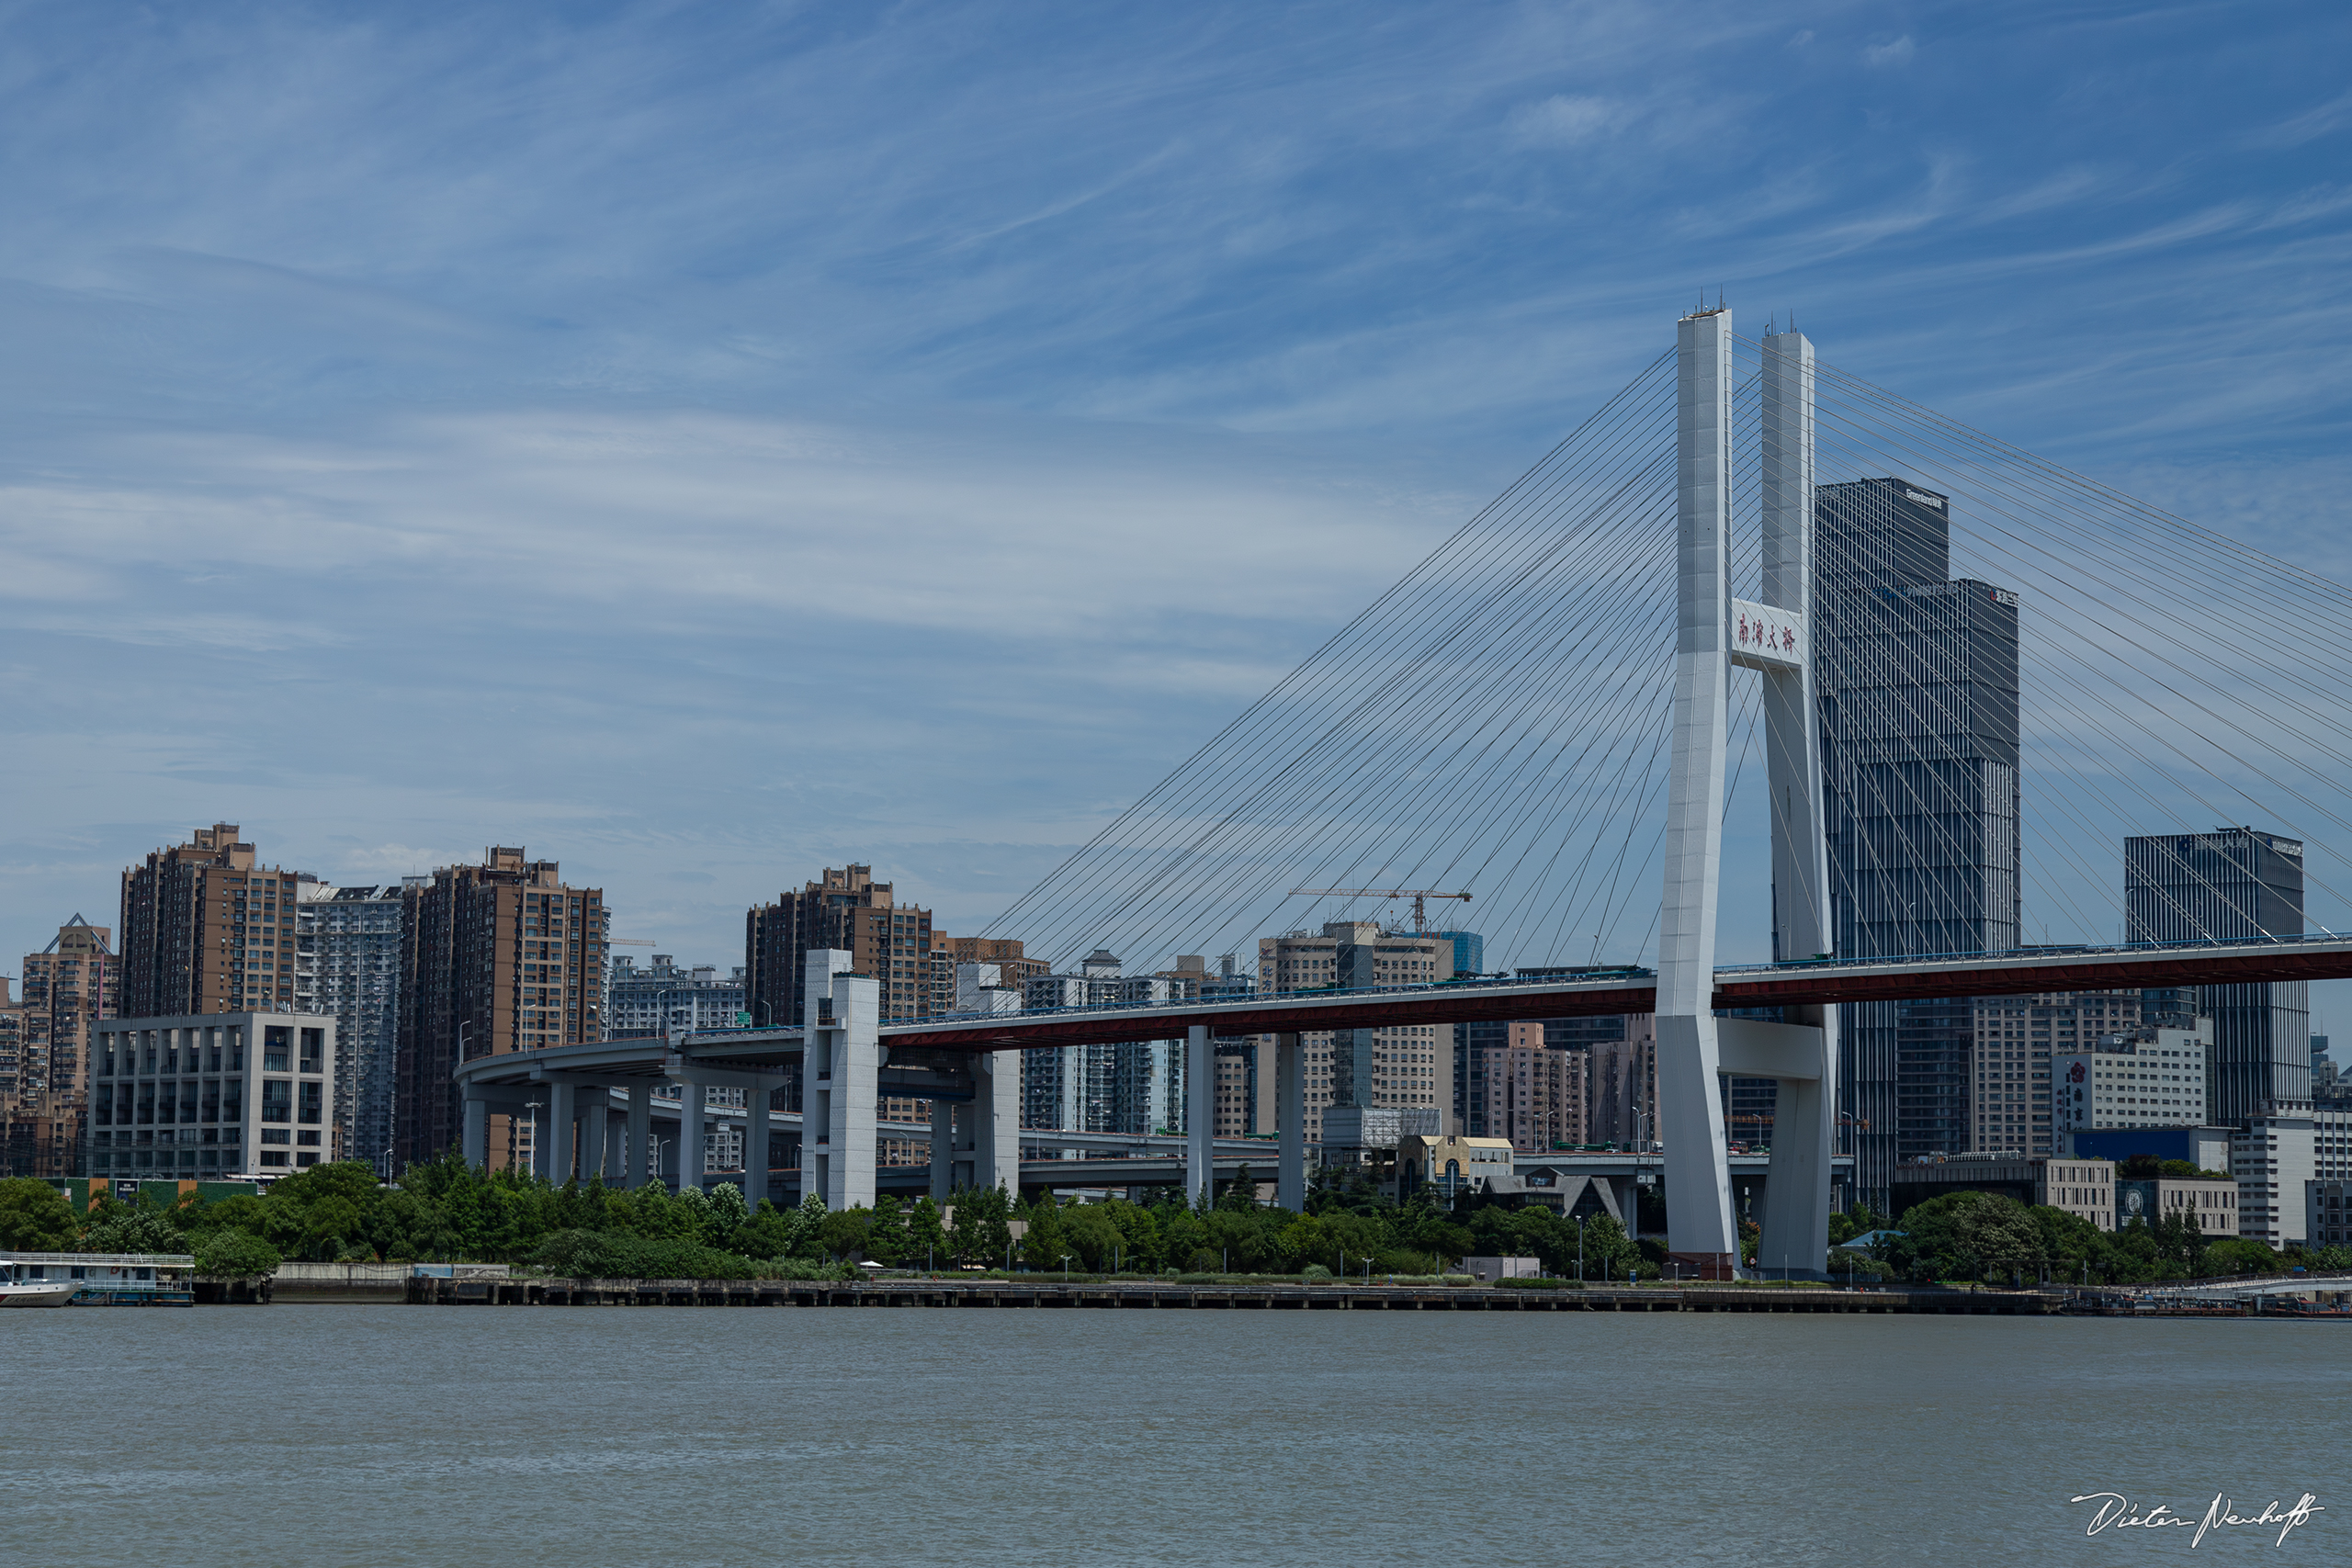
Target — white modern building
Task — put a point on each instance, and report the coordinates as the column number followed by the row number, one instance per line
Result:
column 2152, row 1077
column 2275, row 1161
column 641, row 1004
column 211, row 1095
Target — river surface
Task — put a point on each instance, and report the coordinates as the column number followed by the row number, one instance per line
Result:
column 510, row 1437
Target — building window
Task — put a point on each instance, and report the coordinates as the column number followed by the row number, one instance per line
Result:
column 273, row 1157
column 277, row 1100
column 314, row 1050
column 233, row 1101
column 313, row 1095
column 277, row 1045
column 275, row 1136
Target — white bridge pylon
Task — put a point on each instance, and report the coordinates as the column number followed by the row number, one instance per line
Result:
column 1715, row 633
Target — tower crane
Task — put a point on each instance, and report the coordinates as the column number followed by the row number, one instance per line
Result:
column 1420, row 914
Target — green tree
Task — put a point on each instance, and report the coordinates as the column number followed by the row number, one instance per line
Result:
column 35, row 1218
column 886, row 1237
column 127, row 1229
column 230, row 1254
column 774, row 1233
column 843, row 1232
column 726, row 1213
column 925, row 1237
column 1091, row 1231
column 981, row 1230
column 1044, row 1245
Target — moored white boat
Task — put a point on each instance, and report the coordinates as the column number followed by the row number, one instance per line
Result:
column 37, row 1294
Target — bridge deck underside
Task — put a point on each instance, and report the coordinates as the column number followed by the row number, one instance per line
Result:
column 1824, row 985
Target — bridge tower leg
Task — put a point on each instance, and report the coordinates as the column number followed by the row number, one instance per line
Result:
column 1797, row 1204
column 1690, row 1112
column 1200, row 1114
column 1289, row 1123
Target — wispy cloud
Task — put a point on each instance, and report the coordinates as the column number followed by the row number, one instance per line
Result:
column 702, row 441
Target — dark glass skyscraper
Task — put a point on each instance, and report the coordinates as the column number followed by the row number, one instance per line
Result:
column 2230, row 884
column 1918, row 681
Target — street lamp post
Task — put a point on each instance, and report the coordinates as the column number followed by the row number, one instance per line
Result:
column 1065, row 1267
column 1579, row 1249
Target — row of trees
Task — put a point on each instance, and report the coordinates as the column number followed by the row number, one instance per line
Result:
column 445, row 1210
column 1986, row 1238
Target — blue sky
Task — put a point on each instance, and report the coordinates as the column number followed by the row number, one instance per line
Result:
column 706, row 443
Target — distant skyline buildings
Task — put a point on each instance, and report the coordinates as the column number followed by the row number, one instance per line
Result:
column 2230, row 884
column 666, row 998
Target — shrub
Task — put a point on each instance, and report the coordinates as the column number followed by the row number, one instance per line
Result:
column 1315, row 1274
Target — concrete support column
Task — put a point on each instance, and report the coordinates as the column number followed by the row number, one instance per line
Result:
column 819, row 1157
column 1289, row 1123
column 996, row 1121
column 758, row 1131
column 555, row 1132
column 691, row 1114
column 1200, row 1114
column 855, row 1096
column 1690, row 1110
column 637, row 1139
column 942, row 1149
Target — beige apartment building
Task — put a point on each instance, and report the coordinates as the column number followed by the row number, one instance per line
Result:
column 1531, row 1096
column 496, row 957
column 1408, row 1068
column 206, row 928
column 69, row 986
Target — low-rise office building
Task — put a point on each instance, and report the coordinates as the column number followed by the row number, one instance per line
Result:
column 2081, row 1187
column 2327, row 1213
column 1452, row 1165
column 204, row 1095
column 2212, row 1205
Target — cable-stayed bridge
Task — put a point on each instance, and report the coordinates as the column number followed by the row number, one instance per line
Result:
column 2010, row 732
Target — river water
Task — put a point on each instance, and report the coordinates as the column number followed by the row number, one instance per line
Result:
column 517, row 1437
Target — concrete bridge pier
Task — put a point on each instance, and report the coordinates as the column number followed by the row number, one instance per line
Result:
column 637, row 1137
column 692, row 1159
column 943, row 1148
column 1289, row 1123
column 1200, row 1114
column 995, row 1110
column 841, row 1065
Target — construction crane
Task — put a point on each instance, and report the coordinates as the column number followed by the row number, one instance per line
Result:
column 1420, row 914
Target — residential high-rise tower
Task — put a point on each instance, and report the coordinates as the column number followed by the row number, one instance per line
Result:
column 496, row 957
column 70, row 986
